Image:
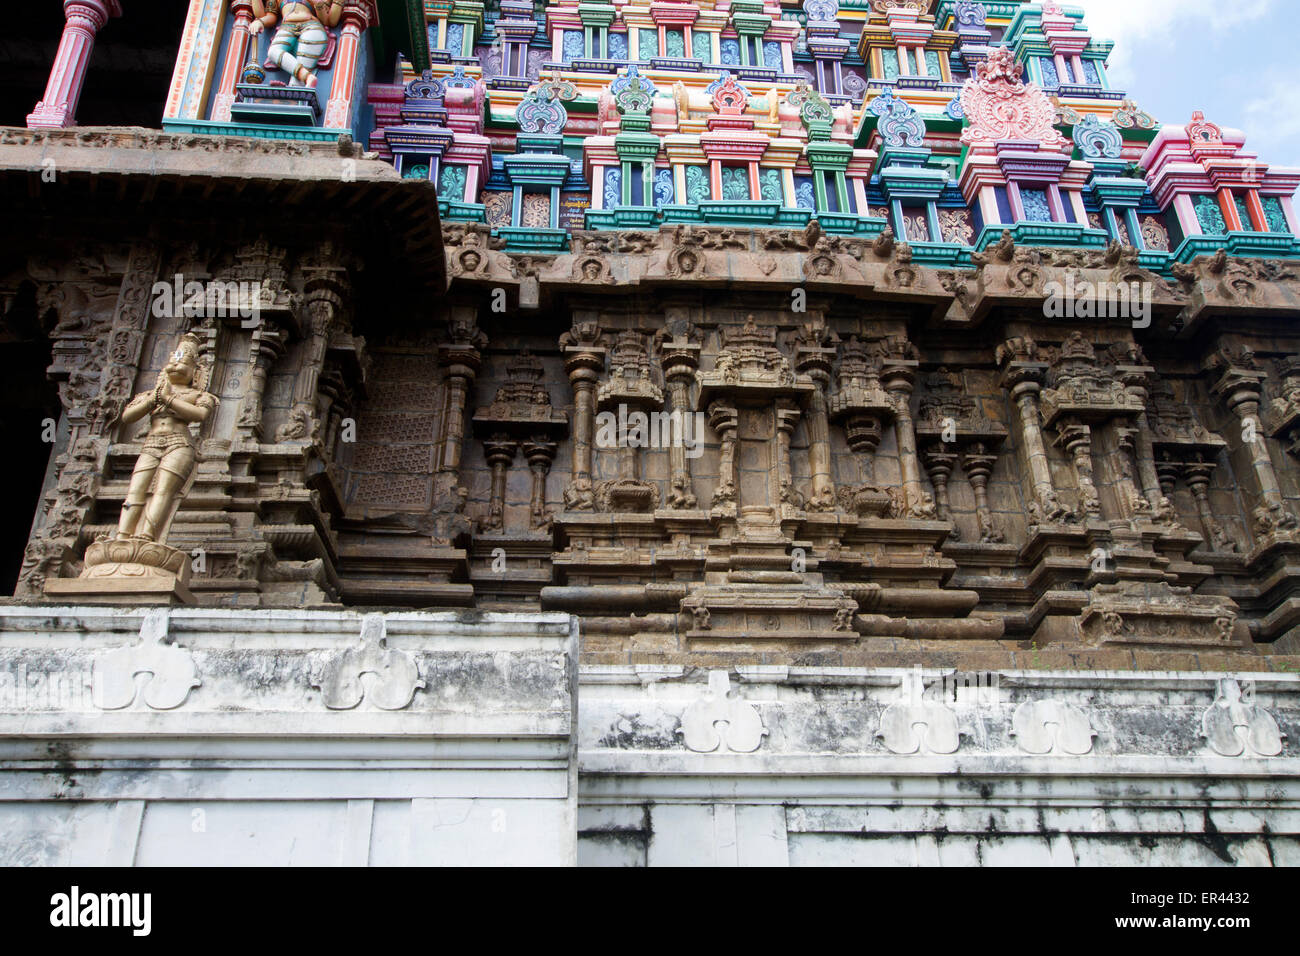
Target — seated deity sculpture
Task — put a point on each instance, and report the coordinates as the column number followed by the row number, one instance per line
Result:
column 302, row 37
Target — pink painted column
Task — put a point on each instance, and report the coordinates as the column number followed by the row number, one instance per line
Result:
column 236, row 56
column 85, row 18
column 356, row 18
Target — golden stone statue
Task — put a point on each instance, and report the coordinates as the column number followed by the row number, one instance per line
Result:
column 135, row 565
column 167, row 460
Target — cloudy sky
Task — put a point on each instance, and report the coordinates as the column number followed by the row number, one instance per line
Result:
column 1234, row 59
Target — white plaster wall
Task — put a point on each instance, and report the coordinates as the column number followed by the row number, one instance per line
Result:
column 452, row 743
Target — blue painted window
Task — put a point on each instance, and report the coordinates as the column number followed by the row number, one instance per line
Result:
column 1275, row 214
column 1037, row 206
column 1091, row 75
column 1243, row 213
column 1051, row 79
column 698, row 188
column 664, row 187
column 618, row 46
column 729, row 49
column 574, row 46
column 613, row 192
column 1210, row 216
column 702, row 45
column 804, row 196
column 456, row 39
column 772, row 55
column 735, row 183
column 647, row 44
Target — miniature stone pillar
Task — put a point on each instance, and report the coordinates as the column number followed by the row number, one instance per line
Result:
column 1136, row 503
column 357, row 16
column 978, row 465
column 1197, row 475
column 939, row 463
column 461, row 359
column 85, row 18
column 322, row 307
column 1240, row 389
column 1023, row 377
column 264, row 349
column 816, row 364
column 1076, row 439
column 725, row 420
column 680, row 359
column 233, row 65
column 500, row 452
column 863, row 434
column 584, row 366
column 540, row 453
column 1135, row 379
column 787, row 416
column 898, row 380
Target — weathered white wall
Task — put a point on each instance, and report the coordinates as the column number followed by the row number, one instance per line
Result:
column 212, row 737
column 217, row 737
column 850, row 767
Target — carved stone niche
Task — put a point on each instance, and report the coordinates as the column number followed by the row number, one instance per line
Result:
column 1083, row 390
column 521, row 415
column 627, row 395
column 753, row 378
column 1186, row 450
column 1282, row 419
column 863, row 408
column 952, row 429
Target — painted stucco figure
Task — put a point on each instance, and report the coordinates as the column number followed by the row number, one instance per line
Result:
column 302, row 37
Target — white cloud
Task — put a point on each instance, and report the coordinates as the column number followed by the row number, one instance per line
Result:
column 1271, row 121
column 1132, row 23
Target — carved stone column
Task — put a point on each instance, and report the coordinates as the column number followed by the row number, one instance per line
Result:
column 815, row 363
column 500, row 452
column 725, row 420
column 85, row 18
column 898, row 378
column 978, row 464
column 461, row 362
column 1197, row 475
column 540, row 453
column 1076, row 439
column 1240, row 388
column 584, row 363
column 1136, row 503
column 323, row 305
column 680, row 359
column 939, row 464
column 1136, row 381
column 1023, row 378
column 264, row 350
column 784, row 493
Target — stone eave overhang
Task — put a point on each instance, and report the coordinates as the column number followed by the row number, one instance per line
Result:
column 1213, row 280
column 106, row 171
